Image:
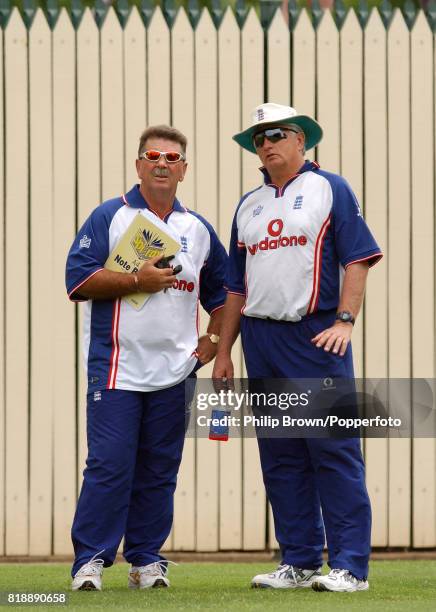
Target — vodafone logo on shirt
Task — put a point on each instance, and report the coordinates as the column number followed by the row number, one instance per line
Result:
column 182, row 285
column 276, row 240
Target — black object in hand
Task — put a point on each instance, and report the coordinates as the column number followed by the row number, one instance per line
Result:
column 164, row 262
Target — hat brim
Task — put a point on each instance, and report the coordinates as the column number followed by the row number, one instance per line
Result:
column 311, row 128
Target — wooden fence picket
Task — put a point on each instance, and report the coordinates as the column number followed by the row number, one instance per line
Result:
column 16, row 287
column 279, row 61
column 41, row 286
column 158, row 70
column 328, row 93
column 183, row 99
column 135, row 92
column 303, row 66
column 376, row 349
column 183, row 118
column 206, row 166
column 89, row 191
column 398, row 258
column 64, row 215
column 111, row 109
column 2, row 320
column 422, row 265
column 253, row 492
column 351, row 134
column 229, row 169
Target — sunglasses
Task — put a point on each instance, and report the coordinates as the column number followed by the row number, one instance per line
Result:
column 172, row 157
column 273, row 135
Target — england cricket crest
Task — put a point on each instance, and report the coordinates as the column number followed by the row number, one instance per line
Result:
column 147, row 244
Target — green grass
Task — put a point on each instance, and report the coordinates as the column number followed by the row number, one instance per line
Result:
column 394, row 585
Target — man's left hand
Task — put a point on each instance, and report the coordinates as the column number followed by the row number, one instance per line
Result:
column 206, row 350
column 334, row 339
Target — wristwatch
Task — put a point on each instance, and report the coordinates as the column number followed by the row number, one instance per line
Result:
column 345, row 317
column 214, row 338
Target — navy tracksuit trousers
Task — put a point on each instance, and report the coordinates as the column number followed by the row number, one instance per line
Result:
column 314, row 485
column 135, row 444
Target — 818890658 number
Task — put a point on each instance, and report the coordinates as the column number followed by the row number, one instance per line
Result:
column 22, row 598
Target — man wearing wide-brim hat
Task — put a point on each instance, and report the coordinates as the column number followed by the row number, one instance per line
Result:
column 293, row 238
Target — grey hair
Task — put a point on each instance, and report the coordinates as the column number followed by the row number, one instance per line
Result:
column 162, row 131
column 298, row 129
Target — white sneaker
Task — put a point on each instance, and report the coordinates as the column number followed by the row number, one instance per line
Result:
column 88, row 578
column 341, row 581
column 148, row 576
column 286, row 577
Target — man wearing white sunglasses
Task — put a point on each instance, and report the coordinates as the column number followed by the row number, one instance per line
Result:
column 140, row 365
column 292, row 240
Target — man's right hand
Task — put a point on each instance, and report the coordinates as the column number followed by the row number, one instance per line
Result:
column 231, row 315
column 108, row 285
column 223, row 367
column 152, row 279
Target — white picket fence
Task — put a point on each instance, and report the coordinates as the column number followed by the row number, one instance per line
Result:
column 74, row 105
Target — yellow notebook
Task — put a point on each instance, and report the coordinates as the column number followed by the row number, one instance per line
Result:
column 141, row 241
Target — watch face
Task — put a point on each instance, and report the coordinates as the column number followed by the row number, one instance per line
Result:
column 214, row 338
column 346, row 317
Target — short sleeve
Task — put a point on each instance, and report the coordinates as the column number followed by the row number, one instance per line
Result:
column 213, row 273
column 353, row 239
column 88, row 252
column 235, row 281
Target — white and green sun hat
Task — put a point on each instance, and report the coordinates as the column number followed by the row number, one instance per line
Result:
column 270, row 114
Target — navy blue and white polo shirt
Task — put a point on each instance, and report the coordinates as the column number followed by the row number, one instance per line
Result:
column 290, row 245
column 154, row 347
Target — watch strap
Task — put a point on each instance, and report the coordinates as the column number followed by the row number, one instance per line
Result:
column 345, row 317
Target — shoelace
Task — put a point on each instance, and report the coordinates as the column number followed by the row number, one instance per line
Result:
column 288, row 571
column 94, row 566
column 159, row 567
column 280, row 571
column 294, row 575
column 345, row 574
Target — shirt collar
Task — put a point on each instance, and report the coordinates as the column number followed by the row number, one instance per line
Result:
column 135, row 199
column 308, row 165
